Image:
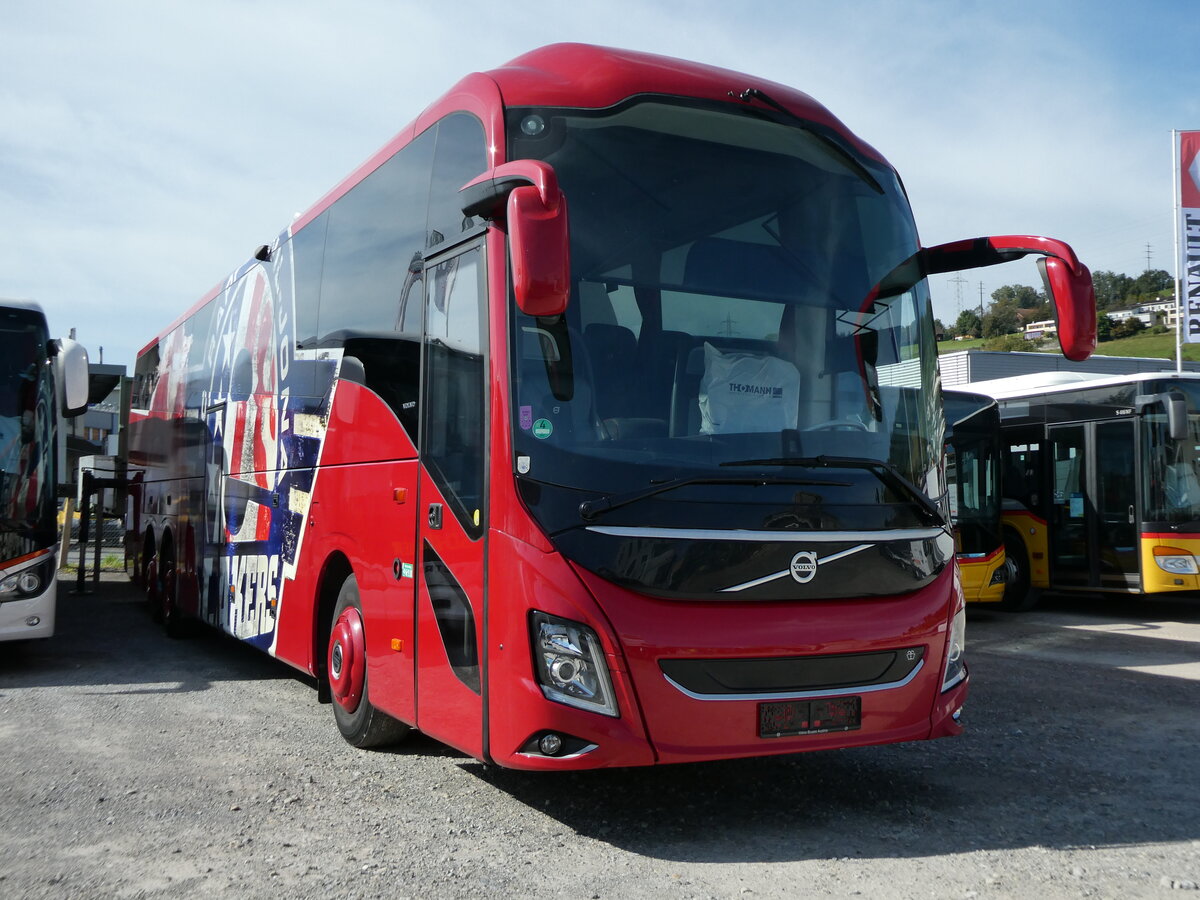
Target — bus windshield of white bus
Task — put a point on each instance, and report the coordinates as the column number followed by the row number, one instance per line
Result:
column 27, row 425
column 725, row 323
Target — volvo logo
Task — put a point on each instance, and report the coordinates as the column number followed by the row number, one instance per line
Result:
column 804, row 566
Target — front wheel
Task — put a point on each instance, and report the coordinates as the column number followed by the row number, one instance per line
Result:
column 357, row 719
column 1019, row 595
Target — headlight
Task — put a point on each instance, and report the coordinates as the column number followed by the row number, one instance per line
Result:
column 570, row 665
column 956, row 664
column 29, row 582
column 1175, row 561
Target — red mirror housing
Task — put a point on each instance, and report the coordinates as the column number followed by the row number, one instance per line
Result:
column 1068, row 282
column 1074, row 305
column 539, row 239
column 540, row 250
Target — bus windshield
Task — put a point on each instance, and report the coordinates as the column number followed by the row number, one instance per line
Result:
column 1172, row 477
column 725, row 318
column 973, row 470
column 27, row 488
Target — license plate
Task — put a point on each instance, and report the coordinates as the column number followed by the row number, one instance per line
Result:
column 791, row 717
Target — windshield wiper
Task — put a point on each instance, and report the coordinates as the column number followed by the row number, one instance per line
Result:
column 884, row 471
column 589, row 509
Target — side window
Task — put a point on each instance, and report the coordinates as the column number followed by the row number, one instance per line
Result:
column 455, row 448
column 307, row 249
column 145, row 375
column 461, row 155
column 374, row 232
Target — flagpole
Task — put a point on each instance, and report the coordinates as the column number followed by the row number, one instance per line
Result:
column 1176, row 206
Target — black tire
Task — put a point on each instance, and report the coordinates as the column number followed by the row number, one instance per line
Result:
column 1019, row 596
column 360, row 723
column 174, row 623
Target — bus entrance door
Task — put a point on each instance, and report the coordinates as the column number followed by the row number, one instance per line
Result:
column 1093, row 516
column 1116, row 555
column 452, row 521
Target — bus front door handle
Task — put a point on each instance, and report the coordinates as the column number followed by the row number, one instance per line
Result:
column 435, row 515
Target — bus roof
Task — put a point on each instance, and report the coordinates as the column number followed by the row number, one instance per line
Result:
column 30, row 305
column 1038, row 383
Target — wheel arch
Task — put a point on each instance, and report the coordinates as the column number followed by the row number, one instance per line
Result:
column 335, row 570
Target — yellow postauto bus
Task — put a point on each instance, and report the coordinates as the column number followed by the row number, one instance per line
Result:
column 973, row 478
column 1100, row 477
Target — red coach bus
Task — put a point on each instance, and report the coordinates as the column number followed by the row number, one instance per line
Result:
column 594, row 421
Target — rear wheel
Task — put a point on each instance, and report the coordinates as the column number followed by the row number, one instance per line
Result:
column 357, row 719
column 1019, row 596
column 166, row 594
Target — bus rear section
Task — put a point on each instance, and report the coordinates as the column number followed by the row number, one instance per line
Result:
column 595, row 421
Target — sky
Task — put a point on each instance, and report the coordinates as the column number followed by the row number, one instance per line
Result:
column 148, row 148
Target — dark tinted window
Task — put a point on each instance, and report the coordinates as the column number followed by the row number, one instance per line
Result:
column 454, row 440
column 22, row 353
column 374, row 232
column 307, row 249
column 461, row 156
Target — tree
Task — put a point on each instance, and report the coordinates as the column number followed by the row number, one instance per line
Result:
column 968, row 323
column 1127, row 328
column 1152, row 281
column 1111, row 289
column 1104, row 328
column 1007, row 342
column 1018, row 296
column 1001, row 320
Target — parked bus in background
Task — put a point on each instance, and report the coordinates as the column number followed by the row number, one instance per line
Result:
column 594, row 421
column 1100, row 482
column 43, row 380
column 973, row 480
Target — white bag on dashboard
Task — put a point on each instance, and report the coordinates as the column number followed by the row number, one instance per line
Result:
column 745, row 392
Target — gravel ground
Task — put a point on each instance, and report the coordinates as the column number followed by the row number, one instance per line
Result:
column 137, row 766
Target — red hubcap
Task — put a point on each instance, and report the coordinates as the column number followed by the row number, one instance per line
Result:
column 347, row 663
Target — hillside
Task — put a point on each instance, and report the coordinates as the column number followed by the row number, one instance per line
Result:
column 1159, row 346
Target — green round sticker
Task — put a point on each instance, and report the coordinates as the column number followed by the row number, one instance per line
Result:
column 542, row 429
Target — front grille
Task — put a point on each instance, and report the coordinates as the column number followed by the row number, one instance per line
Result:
column 792, row 674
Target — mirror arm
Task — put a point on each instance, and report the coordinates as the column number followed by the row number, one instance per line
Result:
column 976, row 253
column 487, row 194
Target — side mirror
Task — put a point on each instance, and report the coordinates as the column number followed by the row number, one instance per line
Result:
column 526, row 193
column 1174, row 404
column 1067, row 281
column 71, row 376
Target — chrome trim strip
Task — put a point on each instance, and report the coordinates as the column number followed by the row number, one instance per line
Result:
column 766, row 537
column 757, row 581
column 586, row 750
column 802, row 695
column 820, row 562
